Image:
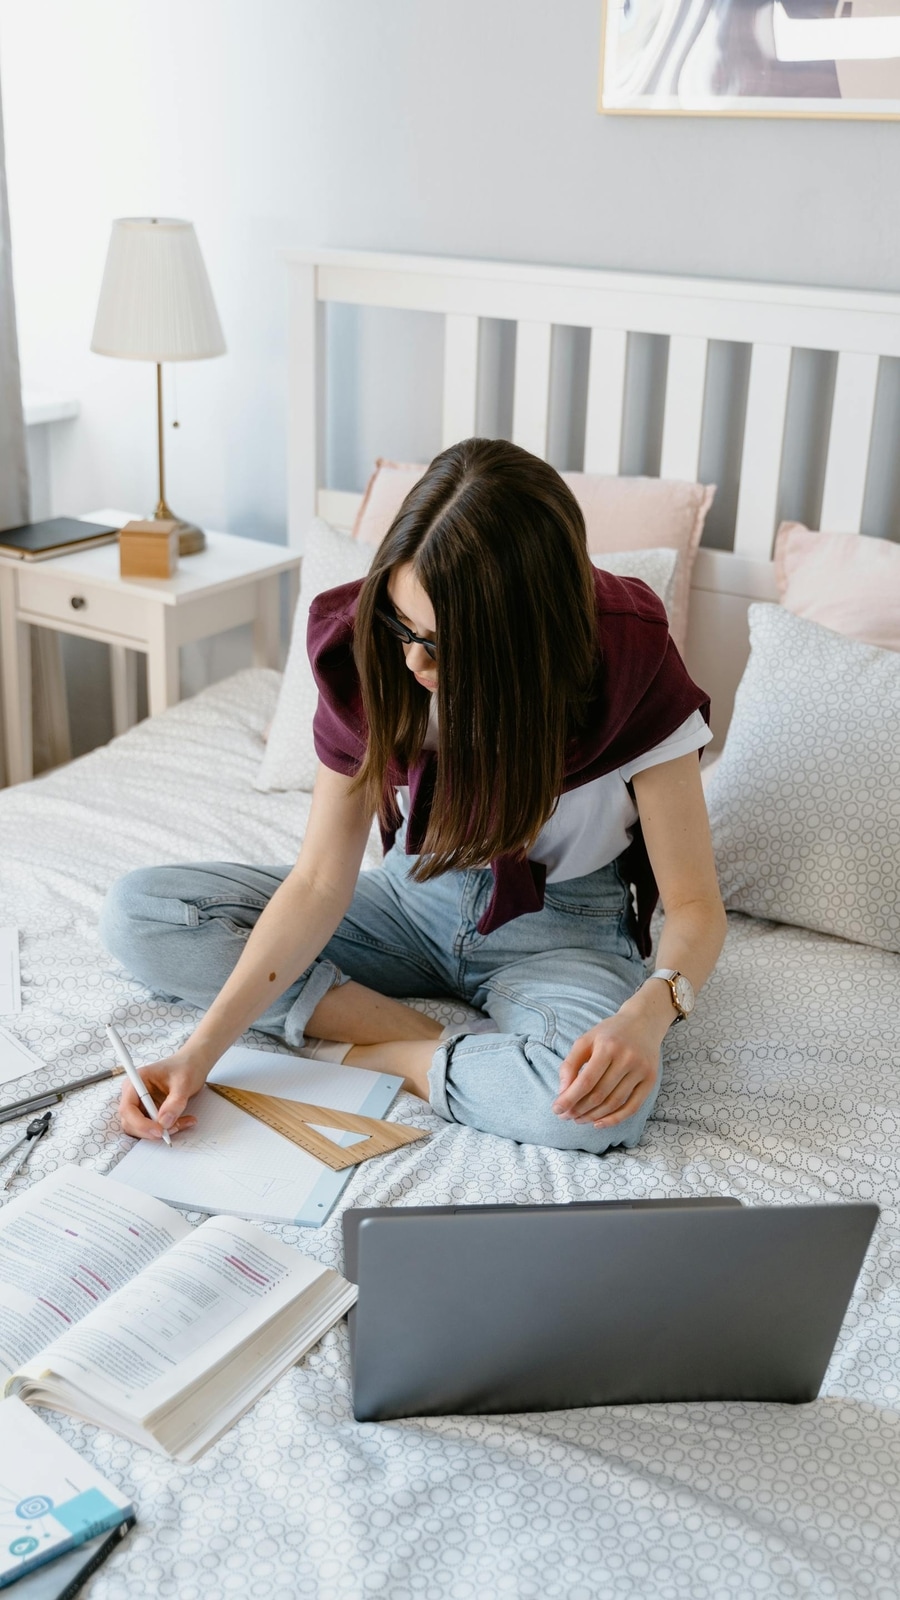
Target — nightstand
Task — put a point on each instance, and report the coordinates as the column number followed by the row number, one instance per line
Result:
column 232, row 581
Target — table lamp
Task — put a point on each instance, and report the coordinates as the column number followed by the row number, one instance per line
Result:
column 156, row 305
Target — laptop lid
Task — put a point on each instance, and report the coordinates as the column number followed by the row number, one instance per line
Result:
column 483, row 1309
column 357, row 1214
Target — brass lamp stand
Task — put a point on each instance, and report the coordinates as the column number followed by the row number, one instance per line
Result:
column 190, row 537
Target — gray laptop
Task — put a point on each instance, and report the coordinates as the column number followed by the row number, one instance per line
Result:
column 468, row 1309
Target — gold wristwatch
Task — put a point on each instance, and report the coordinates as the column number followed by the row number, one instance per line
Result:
column 680, row 988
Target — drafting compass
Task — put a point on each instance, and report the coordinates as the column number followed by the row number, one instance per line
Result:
column 32, row 1136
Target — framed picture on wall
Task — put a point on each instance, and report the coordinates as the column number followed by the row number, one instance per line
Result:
column 764, row 58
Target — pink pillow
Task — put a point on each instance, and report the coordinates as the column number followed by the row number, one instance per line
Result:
column 645, row 514
column 845, row 581
column 384, row 494
column 620, row 514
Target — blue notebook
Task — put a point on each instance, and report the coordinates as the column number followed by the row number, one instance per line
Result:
column 65, row 1576
column 51, row 1501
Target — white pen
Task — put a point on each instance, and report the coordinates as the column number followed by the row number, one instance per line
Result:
column 131, row 1072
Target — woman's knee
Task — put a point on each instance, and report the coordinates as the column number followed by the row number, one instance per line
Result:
column 139, row 906
column 561, row 1133
column 596, row 1140
column 507, row 1085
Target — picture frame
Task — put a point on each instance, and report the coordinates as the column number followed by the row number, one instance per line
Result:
column 751, row 58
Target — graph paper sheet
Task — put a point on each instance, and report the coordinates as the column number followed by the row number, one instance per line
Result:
column 10, row 985
column 233, row 1163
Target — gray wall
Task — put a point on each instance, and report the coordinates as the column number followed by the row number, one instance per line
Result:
column 465, row 127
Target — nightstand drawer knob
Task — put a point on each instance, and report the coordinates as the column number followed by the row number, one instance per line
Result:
column 78, row 602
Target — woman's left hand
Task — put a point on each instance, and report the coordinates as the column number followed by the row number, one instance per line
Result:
column 609, row 1071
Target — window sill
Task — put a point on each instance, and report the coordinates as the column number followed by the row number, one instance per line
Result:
column 40, row 407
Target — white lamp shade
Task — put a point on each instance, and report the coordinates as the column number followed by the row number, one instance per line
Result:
column 155, row 300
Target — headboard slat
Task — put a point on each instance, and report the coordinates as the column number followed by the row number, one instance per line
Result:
column 849, row 442
column 770, row 371
column 683, row 420
column 460, row 378
column 605, row 399
column 531, row 389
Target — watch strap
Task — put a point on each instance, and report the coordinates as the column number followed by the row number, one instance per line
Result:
column 668, row 976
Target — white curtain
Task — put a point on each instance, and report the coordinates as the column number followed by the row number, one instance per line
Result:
column 51, row 724
column 14, row 492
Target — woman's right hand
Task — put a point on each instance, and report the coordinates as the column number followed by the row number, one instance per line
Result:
column 171, row 1082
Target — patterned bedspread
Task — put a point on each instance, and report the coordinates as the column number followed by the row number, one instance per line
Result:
column 784, row 1087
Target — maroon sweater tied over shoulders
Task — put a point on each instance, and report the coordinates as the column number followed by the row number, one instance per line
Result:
column 643, row 694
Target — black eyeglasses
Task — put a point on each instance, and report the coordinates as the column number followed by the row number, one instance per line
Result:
column 401, row 631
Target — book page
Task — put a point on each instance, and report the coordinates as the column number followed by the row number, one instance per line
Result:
column 66, row 1245
column 164, row 1330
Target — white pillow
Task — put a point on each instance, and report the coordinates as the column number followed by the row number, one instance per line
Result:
column 332, row 558
column 290, row 761
column 804, row 801
column 656, row 567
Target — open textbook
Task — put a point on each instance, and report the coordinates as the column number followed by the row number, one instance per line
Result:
column 115, row 1310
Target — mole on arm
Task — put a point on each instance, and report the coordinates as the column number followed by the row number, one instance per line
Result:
column 271, row 977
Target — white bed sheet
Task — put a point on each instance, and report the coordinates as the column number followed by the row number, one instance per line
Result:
column 784, row 1087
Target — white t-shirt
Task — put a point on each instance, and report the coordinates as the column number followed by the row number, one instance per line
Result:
column 592, row 825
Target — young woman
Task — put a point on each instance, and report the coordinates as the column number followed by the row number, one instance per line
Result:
column 526, row 733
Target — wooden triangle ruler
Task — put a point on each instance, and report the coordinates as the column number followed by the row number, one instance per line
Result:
column 292, row 1119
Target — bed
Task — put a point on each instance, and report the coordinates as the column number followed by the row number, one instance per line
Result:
column 795, row 1099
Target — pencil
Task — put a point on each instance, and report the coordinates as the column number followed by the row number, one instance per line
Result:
column 49, row 1097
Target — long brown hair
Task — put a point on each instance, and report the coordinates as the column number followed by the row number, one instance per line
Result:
column 497, row 541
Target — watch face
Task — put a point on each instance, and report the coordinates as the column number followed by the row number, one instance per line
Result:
column 684, row 989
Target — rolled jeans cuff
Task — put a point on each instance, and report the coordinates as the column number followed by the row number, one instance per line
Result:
column 323, row 976
column 437, row 1080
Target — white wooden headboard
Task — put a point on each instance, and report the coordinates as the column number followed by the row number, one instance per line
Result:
column 775, row 320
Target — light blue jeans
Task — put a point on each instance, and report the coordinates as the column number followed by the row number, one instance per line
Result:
column 544, row 978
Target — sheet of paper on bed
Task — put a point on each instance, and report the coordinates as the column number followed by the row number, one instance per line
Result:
column 233, row 1163
column 10, row 987
column 15, row 1058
